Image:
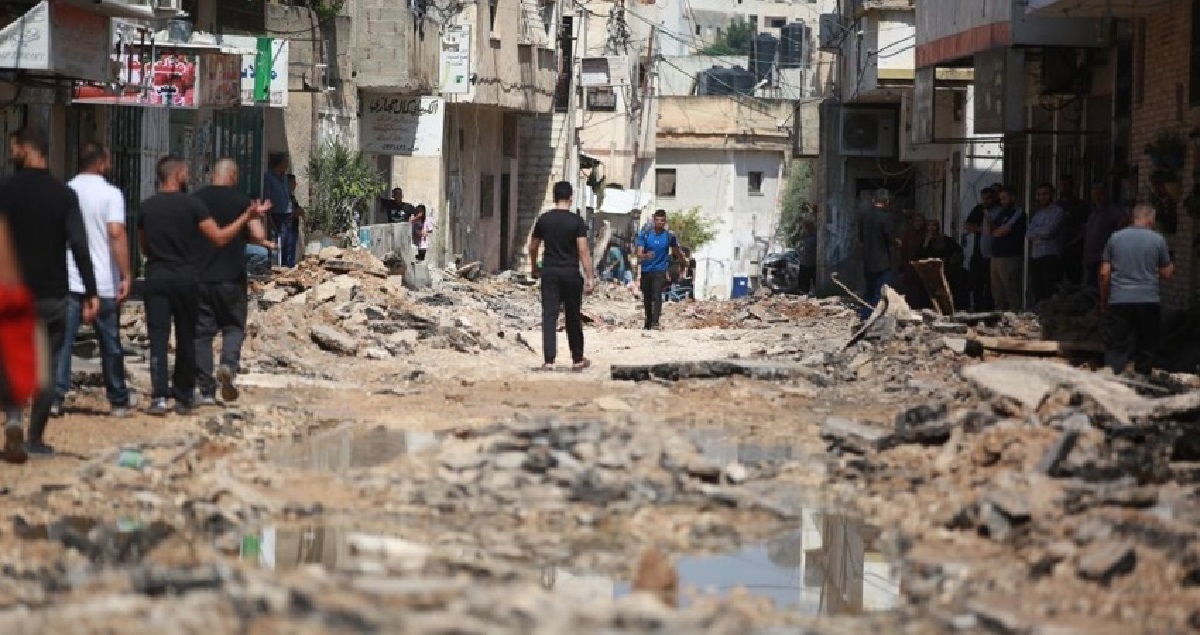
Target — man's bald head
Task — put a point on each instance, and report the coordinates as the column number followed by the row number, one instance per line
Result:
column 1143, row 215
column 225, row 173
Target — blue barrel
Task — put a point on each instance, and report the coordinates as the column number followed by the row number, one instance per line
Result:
column 741, row 287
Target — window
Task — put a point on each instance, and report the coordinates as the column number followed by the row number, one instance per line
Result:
column 777, row 23
column 664, row 182
column 754, row 182
column 492, row 15
column 752, row 21
column 699, row 29
column 602, row 98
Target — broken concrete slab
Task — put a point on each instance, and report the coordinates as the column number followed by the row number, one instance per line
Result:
column 855, row 437
column 1029, row 382
column 1058, row 451
column 1104, row 560
column 675, row 371
column 334, row 340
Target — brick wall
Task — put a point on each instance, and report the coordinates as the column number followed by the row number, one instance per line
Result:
column 1161, row 104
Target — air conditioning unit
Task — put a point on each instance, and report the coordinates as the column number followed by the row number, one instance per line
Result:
column 830, row 27
column 867, row 131
column 166, row 6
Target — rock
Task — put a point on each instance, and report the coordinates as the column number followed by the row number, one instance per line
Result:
column 461, row 459
column 334, row 340
column 736, row 473
column 675, row 371
column 509, row 460
column 329, row 253
column 657, row 576
column 463, row 323
column 612, row 404
column 1104, row 560
column 949, row 328
column 376, row 353
column 1058, row 451
column 999, row 616
column 271, row 297
column 855, row 437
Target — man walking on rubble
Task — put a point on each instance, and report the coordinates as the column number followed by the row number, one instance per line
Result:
column 103, row 208
column 655, row 246
column 1134, row 262
column 172, row 229
column 564, row 235
column 44, row 218
column 223, row 290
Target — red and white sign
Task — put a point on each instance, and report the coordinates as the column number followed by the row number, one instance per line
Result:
column 177, row 78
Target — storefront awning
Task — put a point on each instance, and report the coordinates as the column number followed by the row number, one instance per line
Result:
column 58, row 40
column 1096, row 8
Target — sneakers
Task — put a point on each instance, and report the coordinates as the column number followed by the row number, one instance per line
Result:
column 229, row 392
column 206, row 401
column 158, row 408
column 56, row 409
column 184, row 408
column 14, row 445
column 39, row 449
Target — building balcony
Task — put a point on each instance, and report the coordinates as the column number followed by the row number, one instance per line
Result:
column 1095, row 8
column 952, row 31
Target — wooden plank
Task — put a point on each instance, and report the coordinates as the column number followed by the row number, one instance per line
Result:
column 933, row 277
column 1038, row 347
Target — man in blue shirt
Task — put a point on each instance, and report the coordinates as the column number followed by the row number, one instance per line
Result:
column 277, row 191
column 655, row 246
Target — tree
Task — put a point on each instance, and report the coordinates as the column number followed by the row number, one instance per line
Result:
column 342, row 184
column 693, row 229
column 736, row 40
column 795, row 206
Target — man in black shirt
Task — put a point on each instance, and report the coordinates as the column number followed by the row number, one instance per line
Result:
column 223, row 284
column 43, row 216
column 397, row 210
column 172, row 229
column 565, row 236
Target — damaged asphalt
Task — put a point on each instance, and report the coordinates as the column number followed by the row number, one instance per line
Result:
column 396, row 464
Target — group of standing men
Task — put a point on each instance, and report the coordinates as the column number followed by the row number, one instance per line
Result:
column 1066, row 241
column 71, row 248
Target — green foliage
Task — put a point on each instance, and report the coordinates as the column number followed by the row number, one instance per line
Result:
column 736, row 40
column 795, row 208
column 342, row 184
column 693, row 229
column 326, row 10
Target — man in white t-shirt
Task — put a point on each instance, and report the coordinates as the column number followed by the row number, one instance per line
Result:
column 103, row 207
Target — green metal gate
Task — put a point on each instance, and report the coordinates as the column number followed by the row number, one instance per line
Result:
column 238, row 135
column 125, row 141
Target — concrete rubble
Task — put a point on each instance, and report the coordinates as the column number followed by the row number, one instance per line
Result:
column 406, row 470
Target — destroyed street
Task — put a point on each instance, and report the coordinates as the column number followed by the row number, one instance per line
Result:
column 399, row 463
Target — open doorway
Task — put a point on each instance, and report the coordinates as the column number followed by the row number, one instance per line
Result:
column 505, row 216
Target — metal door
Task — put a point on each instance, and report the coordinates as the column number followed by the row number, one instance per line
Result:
column 125, row 143
column 238, row 135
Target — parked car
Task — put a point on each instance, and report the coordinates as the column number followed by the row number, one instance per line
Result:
column 781, row 272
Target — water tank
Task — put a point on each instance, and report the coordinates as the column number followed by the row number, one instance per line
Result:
column 763, row 48
column 793, row 43
column 726, row 81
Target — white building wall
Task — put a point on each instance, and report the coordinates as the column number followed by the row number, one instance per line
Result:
column 716, row 182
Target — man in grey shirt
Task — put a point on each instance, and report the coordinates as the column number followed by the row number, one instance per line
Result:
column 1134, row 261
column 1045, row 244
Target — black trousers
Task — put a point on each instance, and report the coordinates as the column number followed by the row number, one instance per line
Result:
column 979, row 279
column 1131, row 333
column 222, row 310
column 53, row 316
column 653, row 283
column 172, row 303
column 562, row 289
column 1045, row 273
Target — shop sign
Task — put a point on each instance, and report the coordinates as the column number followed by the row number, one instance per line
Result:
column 57, row 38
column 402, row 125
column 178, row 78
column 455, row 60
column 264, row 75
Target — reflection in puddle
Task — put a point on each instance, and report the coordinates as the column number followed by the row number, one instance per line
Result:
column 831, row 565
column 350, row 447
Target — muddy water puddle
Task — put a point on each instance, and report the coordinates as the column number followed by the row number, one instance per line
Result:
column 832, row 564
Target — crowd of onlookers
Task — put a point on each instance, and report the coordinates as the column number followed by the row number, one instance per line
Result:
column 985, row 269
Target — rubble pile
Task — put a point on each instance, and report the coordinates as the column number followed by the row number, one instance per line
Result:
column 1063, row 486
column 1070, row 315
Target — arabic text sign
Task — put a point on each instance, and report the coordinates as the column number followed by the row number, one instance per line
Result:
column 26, row 42
column 402, row 125
column 455, row 61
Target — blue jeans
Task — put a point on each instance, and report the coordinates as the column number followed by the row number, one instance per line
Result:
column 875, row 283
column 258, row 260
column 286, row 236
column 112, row 356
